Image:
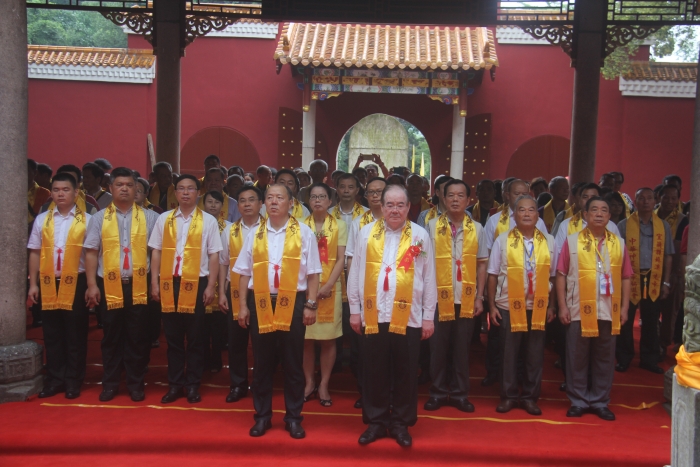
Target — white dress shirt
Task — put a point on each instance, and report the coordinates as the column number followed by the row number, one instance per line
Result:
column 563, row 233
column 211, row 240
column 424, row 296
column 347, row 216
column 457, row 246
column 224, row 258
column 61, row 227
column 353, row 232
column 490, row 228
column 310, row 261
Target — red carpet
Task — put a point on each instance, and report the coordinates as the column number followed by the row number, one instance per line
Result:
column 57, row 431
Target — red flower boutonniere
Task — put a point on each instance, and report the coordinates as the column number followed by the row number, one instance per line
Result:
column 322, row 246
column 414, row 251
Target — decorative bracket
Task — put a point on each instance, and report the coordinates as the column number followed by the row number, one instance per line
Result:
column 560, row 35
column 618, row 36
column 139, row 23
column 197, row 26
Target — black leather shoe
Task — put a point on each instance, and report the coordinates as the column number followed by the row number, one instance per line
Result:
column 260, row 427
column 462, row 405
column 621, row 368
column 490, row 380
column 653, row 368
column 172, row 395
column 604, row 413
column 108, row 394
column 137, row 396
column 434, row 403
column 236, row 394
column 506, row 405
column 358, row 403
column 575, row 411
column 371, row 435
column 530, row 407
column 295, row 430
column 72, row 393
column 402, row 437
column 51, row 391
column 193, row 396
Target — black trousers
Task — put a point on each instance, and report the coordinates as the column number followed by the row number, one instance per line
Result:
column 531, row 345
column 237, row 349
column 154, row 319
column 389, row 361
column 184, row 333
column 264, row 357
column 649, row 311
column 125, row 342
column 215, row 335
column 449, row 356
column 65, row 340
column 493, row 348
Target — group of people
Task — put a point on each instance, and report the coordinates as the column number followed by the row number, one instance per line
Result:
column 292, row 261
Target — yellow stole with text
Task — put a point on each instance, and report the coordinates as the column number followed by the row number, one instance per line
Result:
column 189, row 264
column 515, row 248
column 235, row 245
column 466, row 268
column 111, row 257
column 673, row 219
column 653, row 284
column 550, row 216
column 366, row 219
column 50, row 300
column 280, row 318
column 503, row 222
column 403, row 298
column 588, row 280
column 476, row 210
column 432, row 214
column 221, row 223
column 575, row 224
column 154, row 197
column 327, row 239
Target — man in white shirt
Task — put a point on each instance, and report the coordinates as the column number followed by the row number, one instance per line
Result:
column 394, row 310
column 65, row 327
column 249, row 203
column 278, row 316
column 188, row 220
column 125, row 342
column 519, row 314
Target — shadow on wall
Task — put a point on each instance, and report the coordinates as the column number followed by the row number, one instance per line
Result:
column 542, row 156
column 232, row 147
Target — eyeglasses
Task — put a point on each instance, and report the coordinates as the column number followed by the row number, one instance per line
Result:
column 183, row 189
column 369, row 194
column 318, row 197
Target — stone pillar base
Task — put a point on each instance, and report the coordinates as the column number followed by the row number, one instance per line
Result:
column 685, row 434
column 20, row 368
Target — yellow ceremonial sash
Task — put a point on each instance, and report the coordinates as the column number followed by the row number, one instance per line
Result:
column 403, row 298
column 443, row 268
column 588, row 281
column 637, row 290
column 356, row 211
column 221, row 224
column 223, row 214
column 549, row 216
column 50, row 300
column 515, row 248
column 673, row 219
column 575, row 224
column 367, row 218
column 476, row 210
column 190, row 263
column 503, row 222
column 111, row 258
column 235, row 245
column 279, row 319
column 431, row 214
column 628, row 207
column 329, row 232
column 154, row 197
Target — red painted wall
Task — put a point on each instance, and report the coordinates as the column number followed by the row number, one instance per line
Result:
column 232, row 83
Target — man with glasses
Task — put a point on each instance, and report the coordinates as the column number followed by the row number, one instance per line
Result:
column 185, row 263
column 392, row 295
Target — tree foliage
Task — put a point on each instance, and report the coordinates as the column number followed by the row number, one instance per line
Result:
column 72, row 28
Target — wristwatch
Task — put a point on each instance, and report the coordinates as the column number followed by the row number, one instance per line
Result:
column 311, row 305
column 480, row 297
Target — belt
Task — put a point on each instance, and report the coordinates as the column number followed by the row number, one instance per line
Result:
column 127, row 280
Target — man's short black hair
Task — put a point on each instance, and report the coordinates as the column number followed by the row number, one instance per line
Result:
column 592, row 199
column 44, row 169
column 146, row 186
column 72, row 169
column 236, row 169
column 347, row 176
column 484, row 182
column 590, row 186
column 337, row 173
column 32, row 165
column 187, row 177
column 163, row 165
column 669, row 187
column 212, row 157
column 288, row 172
column 94, row 169
column 214, row 194
column 381, row 179
column 456, row 181
column 672, row 178
column 576, row 188
column 439, row 180
column 104, row 164
column 622, row 176
column 357, row 170
column 122, row 172
column 645, row 188
column 321, row 185
column 215, row 170
column 250, row 187
column 64, row 177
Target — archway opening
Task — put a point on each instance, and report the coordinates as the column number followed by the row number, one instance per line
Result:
column 397, row 141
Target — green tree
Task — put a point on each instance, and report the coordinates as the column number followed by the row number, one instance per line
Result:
column 73, row 28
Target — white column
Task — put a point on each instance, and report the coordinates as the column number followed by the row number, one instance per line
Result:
column 308, row 143
column 457, row 156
